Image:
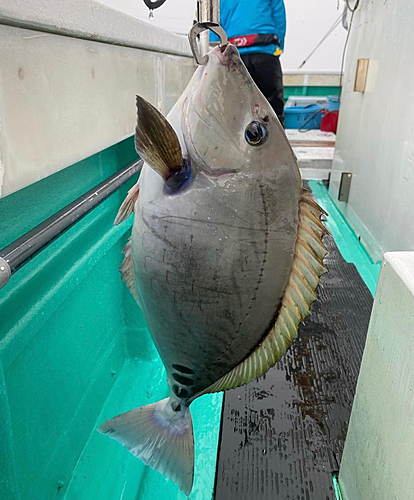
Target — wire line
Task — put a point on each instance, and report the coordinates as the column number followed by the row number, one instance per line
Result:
column 354, row 7
column 331, row 30
column 346, row 44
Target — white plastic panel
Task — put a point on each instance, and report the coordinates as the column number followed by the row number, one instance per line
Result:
column 375, row 135
column 378, row 458
column 92, row 20
column 64, row 99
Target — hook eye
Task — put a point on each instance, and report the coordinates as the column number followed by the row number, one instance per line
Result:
column 199, row 28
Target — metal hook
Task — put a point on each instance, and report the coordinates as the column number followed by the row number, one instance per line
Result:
column 199, row 28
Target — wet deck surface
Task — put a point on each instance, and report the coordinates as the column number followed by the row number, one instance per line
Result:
column 283, row 435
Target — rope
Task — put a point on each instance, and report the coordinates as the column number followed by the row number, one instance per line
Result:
column 303, row 129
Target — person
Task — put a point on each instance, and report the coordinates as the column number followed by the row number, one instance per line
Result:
column 257, row 28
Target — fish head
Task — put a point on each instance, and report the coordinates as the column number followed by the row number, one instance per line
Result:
column 221, row 125
column 228, row 125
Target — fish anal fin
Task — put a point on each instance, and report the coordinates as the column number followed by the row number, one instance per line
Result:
column 127, row 270
column 128, row 204
column 300, row 292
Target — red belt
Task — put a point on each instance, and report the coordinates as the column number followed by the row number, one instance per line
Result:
column 250, row 40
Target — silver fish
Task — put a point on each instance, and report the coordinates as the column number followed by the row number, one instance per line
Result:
column 225, row 255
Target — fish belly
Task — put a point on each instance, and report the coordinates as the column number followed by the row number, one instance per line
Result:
column 210, row 272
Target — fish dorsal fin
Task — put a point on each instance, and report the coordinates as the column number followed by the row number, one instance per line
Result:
column 127, row 270
column 300, row 292
column 128, row 204
column 155, row 140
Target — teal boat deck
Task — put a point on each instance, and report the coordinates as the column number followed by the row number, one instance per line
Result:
column 142, row 381
column 74, row 350
column 349, row 245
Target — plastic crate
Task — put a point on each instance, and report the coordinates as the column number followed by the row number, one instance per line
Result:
column 306, row 117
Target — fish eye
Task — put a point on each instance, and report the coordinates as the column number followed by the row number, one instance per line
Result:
column 255, row 133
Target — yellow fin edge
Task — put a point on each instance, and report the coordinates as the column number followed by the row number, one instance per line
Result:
column 127, row 207
column 127, row 270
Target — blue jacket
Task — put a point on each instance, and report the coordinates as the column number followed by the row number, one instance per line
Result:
column 250, row 17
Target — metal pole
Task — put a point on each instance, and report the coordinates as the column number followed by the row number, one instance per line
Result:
column 209, row 11
column 204, row 42
column 27, row 246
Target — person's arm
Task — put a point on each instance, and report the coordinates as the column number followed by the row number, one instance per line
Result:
column 279, row 19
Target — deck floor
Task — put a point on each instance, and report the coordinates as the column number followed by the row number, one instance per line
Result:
column 282, row 436
column 314, row 151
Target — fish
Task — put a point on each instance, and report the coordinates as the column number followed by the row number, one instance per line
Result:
column 225, row 255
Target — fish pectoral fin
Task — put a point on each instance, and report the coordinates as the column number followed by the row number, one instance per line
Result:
column 127, row 270
column 155, row 140
column 128, row 204
column 161, row 438
column 300, row 292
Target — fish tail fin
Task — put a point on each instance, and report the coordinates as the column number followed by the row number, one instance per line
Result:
column 162, row 437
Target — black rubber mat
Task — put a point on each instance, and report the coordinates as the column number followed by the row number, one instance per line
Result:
column 282, row 436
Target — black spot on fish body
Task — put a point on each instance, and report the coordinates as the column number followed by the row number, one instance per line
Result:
column 183, row 369
column 176, row 406
column 180, row 392
column 182, row 380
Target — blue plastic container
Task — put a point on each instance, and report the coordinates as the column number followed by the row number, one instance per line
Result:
column 333, row 102
column 303, row 117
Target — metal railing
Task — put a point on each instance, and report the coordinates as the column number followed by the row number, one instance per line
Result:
column 20, row 251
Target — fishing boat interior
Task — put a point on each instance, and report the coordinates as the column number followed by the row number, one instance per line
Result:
column 334, row 418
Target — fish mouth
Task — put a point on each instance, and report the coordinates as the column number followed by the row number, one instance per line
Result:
column 226, row 54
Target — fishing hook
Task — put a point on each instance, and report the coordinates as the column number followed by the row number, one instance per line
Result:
column 199, row 28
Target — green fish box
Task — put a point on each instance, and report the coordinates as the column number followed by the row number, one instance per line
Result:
column 75, row 351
